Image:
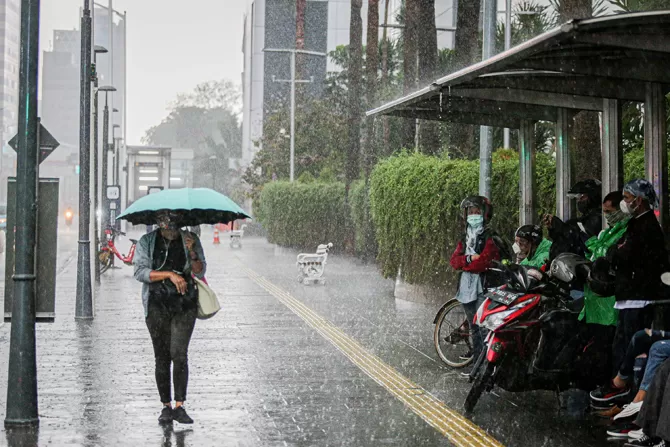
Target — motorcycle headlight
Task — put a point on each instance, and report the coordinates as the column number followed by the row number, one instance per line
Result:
column 494, row 321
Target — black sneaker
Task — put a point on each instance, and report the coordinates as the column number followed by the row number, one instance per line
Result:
column 608, row 393
column 166, row 416
column 645, row 441
column 179, row 415
column 621, row 430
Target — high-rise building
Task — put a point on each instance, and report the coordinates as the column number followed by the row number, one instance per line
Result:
column 10, row 31
column 60, row 105
column 271, row 24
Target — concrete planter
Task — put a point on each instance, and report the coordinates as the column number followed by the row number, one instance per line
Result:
column 418, row 293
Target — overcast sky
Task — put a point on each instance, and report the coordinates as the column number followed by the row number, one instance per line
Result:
column 172, row 46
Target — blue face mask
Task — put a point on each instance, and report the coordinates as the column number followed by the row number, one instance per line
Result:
column 475, row 220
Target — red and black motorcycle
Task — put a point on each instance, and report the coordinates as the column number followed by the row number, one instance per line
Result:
column 535, row 341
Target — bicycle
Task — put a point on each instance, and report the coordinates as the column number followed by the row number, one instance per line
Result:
column 452, row 335
column 108, row 251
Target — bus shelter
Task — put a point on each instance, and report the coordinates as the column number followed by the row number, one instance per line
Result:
column 589, row 64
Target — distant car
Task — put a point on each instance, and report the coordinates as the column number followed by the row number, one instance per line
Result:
column 3, row 217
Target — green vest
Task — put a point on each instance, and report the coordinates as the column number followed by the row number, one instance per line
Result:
column 598, row 309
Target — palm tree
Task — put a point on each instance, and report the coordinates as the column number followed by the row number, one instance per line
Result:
column 354, row 119
column 372, row 65
column 467, row 51
column 410, row 56
column 429, row 137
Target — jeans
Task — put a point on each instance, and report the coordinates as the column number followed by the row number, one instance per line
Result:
column 476, row 332
column 659, row 353
column 171, row 328
column 641, row 343
column 630, row 321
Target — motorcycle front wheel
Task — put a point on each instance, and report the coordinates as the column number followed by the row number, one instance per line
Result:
column 482, row 382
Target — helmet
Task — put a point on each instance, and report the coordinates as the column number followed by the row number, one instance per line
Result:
column 590, row 187
column 532, row 233
column 566, row 267
column 480, row 202
column 600, row 279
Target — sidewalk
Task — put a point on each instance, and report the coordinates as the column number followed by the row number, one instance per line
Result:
column 260, row 375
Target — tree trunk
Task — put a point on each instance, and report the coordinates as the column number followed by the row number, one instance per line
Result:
column 410, row 48
column 385, row 78
column 468, row 51
column 372, row 64
column 354, row 124
column 300, row 7
column 429, row 137
column 585, row 147
column 370, row 154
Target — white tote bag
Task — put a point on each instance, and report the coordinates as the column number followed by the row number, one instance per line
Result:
column 208, row 303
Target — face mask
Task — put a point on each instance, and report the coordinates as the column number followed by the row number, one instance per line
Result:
column 582, row 207
column 516, row 248
column 614, row 218
column 627, row 208
column 475, row 220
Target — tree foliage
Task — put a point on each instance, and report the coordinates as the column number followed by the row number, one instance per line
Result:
column 206, row 121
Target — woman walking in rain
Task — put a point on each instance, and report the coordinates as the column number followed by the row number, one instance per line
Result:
column 164, row 262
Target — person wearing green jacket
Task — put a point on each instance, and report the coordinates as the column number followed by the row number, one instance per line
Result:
column 598, row 309
column 530, row 246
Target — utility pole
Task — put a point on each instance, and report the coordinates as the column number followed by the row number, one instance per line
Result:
column 293, row 81
column 22, row 376
column 485, row 132
column 84, row 303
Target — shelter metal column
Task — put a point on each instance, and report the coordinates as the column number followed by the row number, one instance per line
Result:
column 563, row 165
column 655, row 146
column 612, row 153
column 527, row 202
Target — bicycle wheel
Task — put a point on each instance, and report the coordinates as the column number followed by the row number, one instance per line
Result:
column 452, row 336
column 105, row 260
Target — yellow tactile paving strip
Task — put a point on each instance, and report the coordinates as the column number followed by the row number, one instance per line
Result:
column 460, row 431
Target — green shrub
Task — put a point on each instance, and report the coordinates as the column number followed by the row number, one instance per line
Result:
column 303, row 215
column 415, row 203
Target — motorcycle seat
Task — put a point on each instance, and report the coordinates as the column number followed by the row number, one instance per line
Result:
column 134, row 241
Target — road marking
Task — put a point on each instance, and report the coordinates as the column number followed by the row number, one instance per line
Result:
column 460, row 431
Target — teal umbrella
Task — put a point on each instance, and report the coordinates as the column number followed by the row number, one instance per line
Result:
column 195, row 206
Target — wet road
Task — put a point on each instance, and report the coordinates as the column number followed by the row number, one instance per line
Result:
column 282, row 364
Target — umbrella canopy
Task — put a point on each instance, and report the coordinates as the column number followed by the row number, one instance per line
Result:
column 195, row 205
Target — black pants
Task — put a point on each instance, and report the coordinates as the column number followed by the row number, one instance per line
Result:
column 630, row 321
column 170, row 328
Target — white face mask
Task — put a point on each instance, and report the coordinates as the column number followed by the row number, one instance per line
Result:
column 627, row 208
column 516, row 248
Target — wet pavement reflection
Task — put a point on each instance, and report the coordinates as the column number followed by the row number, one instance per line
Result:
column 259, row 374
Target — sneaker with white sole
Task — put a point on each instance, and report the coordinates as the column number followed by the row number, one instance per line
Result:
column 629, row 410
column 636, row 434
column 622, row 430
column 646, row 441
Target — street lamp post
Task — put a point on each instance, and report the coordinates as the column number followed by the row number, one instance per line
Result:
column 293, row 81
column 104, row 211
column 22, row 374
column 84, row 300
column 97, row 49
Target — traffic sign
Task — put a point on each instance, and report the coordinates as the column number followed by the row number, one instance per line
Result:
column 113, row 192
column 46, row 141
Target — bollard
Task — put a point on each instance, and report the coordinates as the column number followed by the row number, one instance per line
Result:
column 217, row 240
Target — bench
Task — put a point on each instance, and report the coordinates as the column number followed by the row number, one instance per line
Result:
column 312, row 265
column 236, row 237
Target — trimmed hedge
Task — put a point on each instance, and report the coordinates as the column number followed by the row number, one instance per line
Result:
column 303, row 215
column 415, row 202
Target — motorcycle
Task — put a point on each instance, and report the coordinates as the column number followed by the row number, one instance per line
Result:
column 535, row 341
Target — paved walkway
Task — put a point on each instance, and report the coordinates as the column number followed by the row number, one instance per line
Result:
column 282, row 364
